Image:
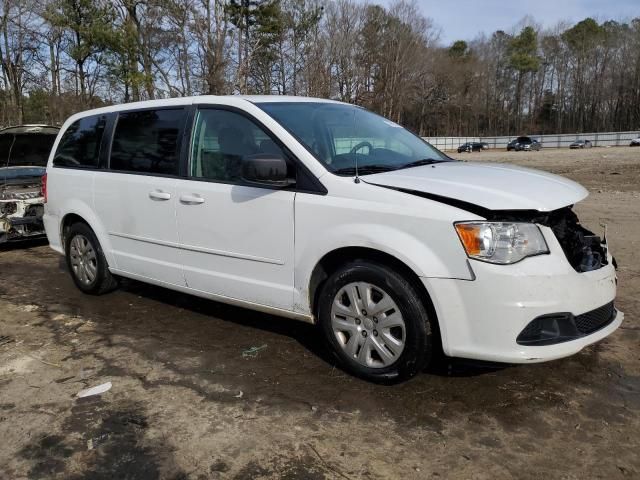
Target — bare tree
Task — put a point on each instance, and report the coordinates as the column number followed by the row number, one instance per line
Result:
column 17, row 51
column 211, row 31
column 59, row 56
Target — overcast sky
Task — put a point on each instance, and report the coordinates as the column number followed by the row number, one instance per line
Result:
column 464, row 19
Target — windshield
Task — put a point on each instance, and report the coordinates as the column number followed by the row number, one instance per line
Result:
column 30, row 149
column 341, row 135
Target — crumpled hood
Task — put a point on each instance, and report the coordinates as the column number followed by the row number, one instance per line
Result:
column 492, row 186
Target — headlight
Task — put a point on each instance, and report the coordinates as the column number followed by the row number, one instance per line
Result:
column 499, row 242
column 8, row 208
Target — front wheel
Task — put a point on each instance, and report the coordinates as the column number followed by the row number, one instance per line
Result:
column 375, row 323
column 86, row 261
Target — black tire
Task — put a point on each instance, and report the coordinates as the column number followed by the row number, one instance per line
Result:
column 104, row 281
column 418, row 328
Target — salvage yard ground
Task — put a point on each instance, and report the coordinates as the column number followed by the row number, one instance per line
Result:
column 202, row 390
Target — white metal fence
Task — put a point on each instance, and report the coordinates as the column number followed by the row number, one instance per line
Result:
column 607, row 139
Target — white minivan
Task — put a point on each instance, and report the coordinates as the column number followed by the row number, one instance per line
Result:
column 327, row 213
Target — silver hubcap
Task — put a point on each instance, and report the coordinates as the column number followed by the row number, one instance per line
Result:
column 84, row 262
column 368, row 324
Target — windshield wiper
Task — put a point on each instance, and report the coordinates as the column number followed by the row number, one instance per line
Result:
column 368, row 169
column 420, row 163
column 363, row 169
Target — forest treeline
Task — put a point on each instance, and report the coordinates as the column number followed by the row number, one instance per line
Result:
column 61, row 56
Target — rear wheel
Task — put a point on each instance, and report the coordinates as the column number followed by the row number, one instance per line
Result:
column 86, row 261
column 375, row 323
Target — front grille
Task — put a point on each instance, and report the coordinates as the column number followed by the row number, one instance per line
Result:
column 595, row 319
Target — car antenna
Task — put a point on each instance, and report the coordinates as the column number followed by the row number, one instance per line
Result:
column 13, row 141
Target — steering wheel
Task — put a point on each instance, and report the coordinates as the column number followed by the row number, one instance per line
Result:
column 360, row 145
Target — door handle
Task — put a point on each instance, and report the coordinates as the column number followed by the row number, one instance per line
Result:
column 159, row 195
column 191, row 199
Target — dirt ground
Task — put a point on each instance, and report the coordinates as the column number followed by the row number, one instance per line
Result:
column 192, row 399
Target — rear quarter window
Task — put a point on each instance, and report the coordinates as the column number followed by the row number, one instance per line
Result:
column 148, row 141
column 79, row 146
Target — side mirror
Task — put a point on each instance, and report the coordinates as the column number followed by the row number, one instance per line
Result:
column 266, row 169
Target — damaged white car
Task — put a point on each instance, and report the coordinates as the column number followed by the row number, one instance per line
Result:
column 326, row 213
column 23, row 155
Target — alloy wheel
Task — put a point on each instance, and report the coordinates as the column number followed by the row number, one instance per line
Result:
column 83, row 259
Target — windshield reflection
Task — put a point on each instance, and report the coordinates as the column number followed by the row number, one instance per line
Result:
column 343, row 137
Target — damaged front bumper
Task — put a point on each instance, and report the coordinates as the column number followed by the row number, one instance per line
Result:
column 21, row 218
column 488, row 318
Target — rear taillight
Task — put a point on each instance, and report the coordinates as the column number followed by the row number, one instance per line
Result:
column 44, row 187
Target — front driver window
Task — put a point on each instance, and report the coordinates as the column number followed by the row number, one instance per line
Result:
column 221, row 139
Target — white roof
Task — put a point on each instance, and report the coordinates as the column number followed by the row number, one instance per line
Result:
column 282, row 98
column 223, row 99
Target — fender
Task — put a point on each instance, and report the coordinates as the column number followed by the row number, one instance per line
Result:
column 82, row 209
column 382, row 238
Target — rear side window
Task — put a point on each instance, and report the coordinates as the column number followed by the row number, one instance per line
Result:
column 148, row 141
column 80, row 145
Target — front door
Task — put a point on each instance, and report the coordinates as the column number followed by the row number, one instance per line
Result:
column 236, row 240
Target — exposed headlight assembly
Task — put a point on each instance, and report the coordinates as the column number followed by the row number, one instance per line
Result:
column 501, row 242
column 8, row 208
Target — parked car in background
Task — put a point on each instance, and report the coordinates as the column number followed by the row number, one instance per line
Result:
column 327, row 213
column 581, row 144
column 471, row 147
column 523, row 143
column 635, row 142
column 24, row 151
